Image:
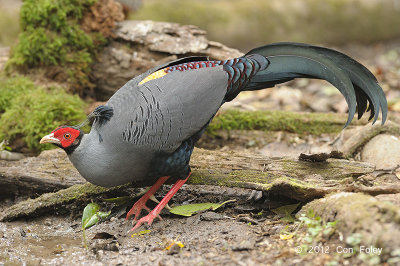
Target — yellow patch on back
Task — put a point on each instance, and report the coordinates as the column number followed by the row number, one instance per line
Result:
column 158, row 74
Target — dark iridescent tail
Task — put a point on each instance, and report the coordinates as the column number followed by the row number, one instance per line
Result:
column 296, row 60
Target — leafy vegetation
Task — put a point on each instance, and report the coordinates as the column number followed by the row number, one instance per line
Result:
column 190, row 209
column 286, row 212
column 317, row 229
column 29, row 112
column 51, row 36
column 11, row 88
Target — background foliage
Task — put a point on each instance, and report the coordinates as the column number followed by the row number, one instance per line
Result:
column 28, row 112
column 51, row 36
column 245, row 24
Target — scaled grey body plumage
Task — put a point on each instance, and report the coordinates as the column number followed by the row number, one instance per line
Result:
column 149, row 118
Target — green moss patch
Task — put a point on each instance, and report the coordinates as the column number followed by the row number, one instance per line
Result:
column 301, row 123
column 11, row 88
column 28, row 112
column 51, row 36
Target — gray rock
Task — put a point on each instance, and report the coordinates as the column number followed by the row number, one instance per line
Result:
column 140, row 45
column 383, row 151
column 11, row 156
column 378, row 222
column 211, row 216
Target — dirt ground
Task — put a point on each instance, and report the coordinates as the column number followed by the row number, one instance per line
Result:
column 242, row 233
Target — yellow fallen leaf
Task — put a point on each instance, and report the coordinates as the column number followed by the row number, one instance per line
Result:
column 286, row 237
column 179, row 243
column 141, row 233
column 170, row 243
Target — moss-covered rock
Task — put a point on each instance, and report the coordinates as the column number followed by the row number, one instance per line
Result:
column 377, row 222
column 52, row 36
column 31, row 111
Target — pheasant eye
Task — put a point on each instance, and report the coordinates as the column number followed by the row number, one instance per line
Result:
column 67, row 136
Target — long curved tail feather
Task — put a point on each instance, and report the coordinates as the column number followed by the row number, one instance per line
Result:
column 296, row 60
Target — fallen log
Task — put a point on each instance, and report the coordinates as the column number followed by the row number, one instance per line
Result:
column 300, row 180
column 52, row 171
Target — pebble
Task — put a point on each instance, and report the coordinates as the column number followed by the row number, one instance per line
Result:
column 383, row 151
column 211, row 216
column 244, row 245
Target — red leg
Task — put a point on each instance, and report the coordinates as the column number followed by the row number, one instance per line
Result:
column 141, row 203
column 156, row 211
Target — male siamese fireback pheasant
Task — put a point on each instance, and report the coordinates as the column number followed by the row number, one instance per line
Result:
column 148, row 128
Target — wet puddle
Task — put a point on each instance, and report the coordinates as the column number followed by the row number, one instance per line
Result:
column 33, row 243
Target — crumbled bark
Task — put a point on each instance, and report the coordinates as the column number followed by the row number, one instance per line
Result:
column 102, row 17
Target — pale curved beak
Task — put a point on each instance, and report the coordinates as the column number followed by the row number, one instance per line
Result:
column 49, row 139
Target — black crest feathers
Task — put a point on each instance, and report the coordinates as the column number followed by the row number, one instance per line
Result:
column 101, row 114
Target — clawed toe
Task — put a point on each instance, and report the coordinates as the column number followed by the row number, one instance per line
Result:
column 148, row 218
column 136, row 210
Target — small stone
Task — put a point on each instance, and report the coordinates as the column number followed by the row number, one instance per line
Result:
column 383, row 151
column 22, row 232
column 211, row 216
column 244, row 245
column 174, row 249
column 104, row 244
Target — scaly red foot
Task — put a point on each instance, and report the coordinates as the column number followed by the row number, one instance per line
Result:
column 141, row 203
column 137, row 208
column 149, row 218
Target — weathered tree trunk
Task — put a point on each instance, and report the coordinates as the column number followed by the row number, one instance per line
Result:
column 290, row 178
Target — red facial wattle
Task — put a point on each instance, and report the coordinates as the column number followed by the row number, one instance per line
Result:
column 66, row 135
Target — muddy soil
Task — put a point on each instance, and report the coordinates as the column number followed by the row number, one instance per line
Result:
column 245, row 232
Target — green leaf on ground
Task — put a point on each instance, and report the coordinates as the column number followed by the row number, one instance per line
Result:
column 91, row 216
column 118, row 201
column 190, row 209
